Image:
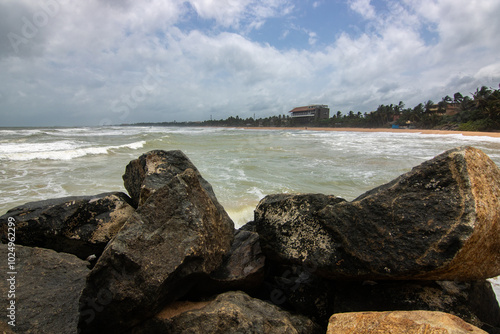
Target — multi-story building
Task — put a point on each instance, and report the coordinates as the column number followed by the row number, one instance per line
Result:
column 310, row 113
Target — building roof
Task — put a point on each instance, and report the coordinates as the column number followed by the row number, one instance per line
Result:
column 307, row 108
column 300, row 109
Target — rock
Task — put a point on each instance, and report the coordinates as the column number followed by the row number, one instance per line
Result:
column 80, row 225
column 5, row 328
column 250, row 226
column 399, row 322
column 241, row 269
column 175, row 238
column 439, row 221
column 473, row 302
column 48, row 286
column 230, row 312
column 290, row 231
column 152, row 170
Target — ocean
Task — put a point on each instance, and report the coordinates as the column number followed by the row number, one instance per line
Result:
column 242, row 165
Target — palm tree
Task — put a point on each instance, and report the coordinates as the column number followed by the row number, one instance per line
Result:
column 428, row 106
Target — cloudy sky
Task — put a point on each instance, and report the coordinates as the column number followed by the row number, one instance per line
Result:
column 69, row 62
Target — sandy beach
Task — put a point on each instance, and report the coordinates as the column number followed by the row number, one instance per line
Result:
column 422, row 131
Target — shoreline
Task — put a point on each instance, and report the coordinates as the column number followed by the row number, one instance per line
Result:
column 422, row 131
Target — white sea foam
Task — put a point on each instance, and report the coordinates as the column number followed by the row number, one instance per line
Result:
column 242, row 214
column 34, row 148
column 61, row 150
column 495, row 284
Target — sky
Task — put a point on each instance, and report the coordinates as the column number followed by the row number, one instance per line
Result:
column 102, row 62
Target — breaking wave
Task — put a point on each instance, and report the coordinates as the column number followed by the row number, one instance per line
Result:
column 63, row 150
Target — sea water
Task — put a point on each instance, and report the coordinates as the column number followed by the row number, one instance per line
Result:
column 242, row 165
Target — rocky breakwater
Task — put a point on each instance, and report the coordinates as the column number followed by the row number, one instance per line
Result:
column 172, row 262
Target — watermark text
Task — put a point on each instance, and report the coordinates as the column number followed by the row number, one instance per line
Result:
column 11, row 271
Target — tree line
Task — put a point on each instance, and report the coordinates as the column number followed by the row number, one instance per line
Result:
column 478, row 112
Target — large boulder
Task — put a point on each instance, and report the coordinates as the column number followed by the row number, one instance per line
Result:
column 47, row 289
column 230, row 312
column 178, row 235
column 396, row 322
column 80, row 225
column 439, row 221
column 154, row 169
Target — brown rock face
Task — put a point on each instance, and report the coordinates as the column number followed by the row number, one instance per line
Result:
column 440, row 221
column 411, row 322
column 172, row 240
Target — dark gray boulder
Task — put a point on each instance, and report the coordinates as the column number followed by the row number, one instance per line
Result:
column 47, row 289
column 178, row 236
column 440, row 221
column 230, row 312
column 154, row 169
column 80, row 225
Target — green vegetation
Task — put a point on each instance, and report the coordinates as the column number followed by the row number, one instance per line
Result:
column 478, row 112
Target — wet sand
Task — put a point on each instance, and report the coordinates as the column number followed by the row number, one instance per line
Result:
column 422, row 131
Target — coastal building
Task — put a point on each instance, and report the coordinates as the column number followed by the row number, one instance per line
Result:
column 448, row 109
column 310, row 113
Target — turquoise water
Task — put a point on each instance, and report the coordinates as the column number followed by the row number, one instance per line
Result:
column 242, row 165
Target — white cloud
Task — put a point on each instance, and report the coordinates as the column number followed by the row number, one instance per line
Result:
column 313, row 38
column 363, row 7
column 234, row 13
column 92, row 60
